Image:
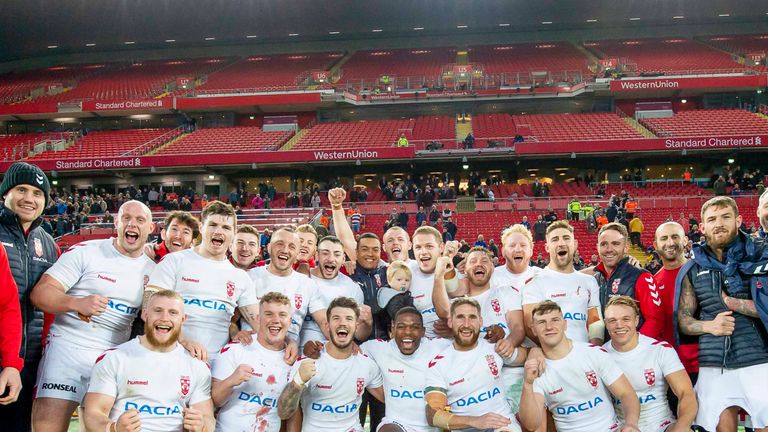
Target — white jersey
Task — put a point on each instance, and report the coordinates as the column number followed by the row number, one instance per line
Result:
column 297, row 287
column 327, row 290
column 503, row 277
column 575, row 389
column 575, row 293
column 159, row 385
column 646, row 367
column 252, row 406
column 421, row 292
column 471, row 380
column 332, row 399
column 404, row 379
column 96, row 268
column 494, row 305
column 211, row 290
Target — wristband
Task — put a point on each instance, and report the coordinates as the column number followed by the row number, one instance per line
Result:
column 442, row 420
column 297, row 379
column 333, row 207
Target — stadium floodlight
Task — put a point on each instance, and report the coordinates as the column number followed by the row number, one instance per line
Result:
column 170, row 40
column 90, row 44
column 293, row 34
column 334, row 32
column 465, row 166
column 592, row 20
column 546, row 22
column 461, row 26
column 52, row 46
column 724, row 15
column 377, row 30
column 634, row 19
column 504, row 25
column 129, row 42
column 678, row 17
column 418, row 28
column 210, row 38
column 251, row 37
column 731, row 160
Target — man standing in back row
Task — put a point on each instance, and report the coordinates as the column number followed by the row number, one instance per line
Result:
column 31, row 251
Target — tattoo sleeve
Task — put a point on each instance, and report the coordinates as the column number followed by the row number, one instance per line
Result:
column 687, row 310
column 289, row 399
column 744, row 307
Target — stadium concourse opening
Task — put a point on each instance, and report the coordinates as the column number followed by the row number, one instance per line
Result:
column 431, row 125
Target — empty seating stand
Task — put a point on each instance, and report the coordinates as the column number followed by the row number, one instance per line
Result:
column 576, row 127
column 555, row 58
column 708, row 122
column 104, row 144
column 416, row 62
column 227, row 140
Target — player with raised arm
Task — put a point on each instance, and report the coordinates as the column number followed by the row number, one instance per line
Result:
column 248, row 379
column 95, row 290
column 464, row 386
column 209, row 284
column 577, row 293
column 331, row 389
column 577, row 381
column 150, row 383
column 652, row 368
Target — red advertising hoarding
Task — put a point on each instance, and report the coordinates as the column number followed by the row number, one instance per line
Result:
column 687, row 83
column 123, row 105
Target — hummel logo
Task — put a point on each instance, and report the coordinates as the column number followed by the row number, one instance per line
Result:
column 702, row 272
column 39, row 179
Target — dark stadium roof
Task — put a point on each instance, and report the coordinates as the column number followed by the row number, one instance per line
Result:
column 30, row 28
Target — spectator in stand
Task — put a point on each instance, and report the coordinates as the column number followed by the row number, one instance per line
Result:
column 719, row 186
column 421, row 217
column 447, row 214
column 491, row 196
column 324, row 220
column 692, row 220
column 550, row 217
column 636, row 229
column 186, row 204
column 481, row 241
column 355, row 220
column 687, row 177
column 469, row 141
column 451, row 228
column 525, row 223
column 108, row 218
column 540, row 229
column 402, row 141
column 612, row 212
column 402, row 218
column 578, row 261
column 434, row 216
column 574, row 209
column 631, row 207
column 264, row 240
column 153, row 197
column 46, row 226
column 694, row 234
column 315, row 201
column 540, row 262
column 493, row 248
column 446, row 235
column 238, row 209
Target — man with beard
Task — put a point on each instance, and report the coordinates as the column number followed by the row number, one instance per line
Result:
column 31, row 251
column 616, row 276
column 669, row 243
column 575, row 381
column 95, row 290
column 403, row 364
column 517, row 250
column 245, row 248
column 279, row 276
column 715, row 304
column 577, row 293
column 248, row 379
column 652, row 368
column 180, row 229
column 466, row 377
column 150, row 383
column 331, row 284
column 331, row 389
column 209, row 284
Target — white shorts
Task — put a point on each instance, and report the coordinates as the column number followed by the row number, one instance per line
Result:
column 718, row 389
column 389, row 421
column 65, row 370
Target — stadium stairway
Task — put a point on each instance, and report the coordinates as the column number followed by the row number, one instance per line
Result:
column 294, row 139
column 634, row 124
column 166, row 144
column 587, row 53
column 463, row 128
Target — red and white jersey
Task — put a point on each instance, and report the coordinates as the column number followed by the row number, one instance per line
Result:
column 327, row 290
column 211, row 290
column 96, row 268
column 646, row 367
column 504, row 278
column 665, row 282
column 575, row 389
column 574, row 292
column 159, row 385
column 404, row 379
column 299, row 288
column 252, row 405
column 421, row 292
column 494, row 305
column 331, row 401
column 471, row 380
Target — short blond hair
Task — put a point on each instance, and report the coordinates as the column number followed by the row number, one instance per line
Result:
column 622, row 300
column 720, row 202
column 307, row 228
column 614, row 226
column 557, row 225
column 398, row 266
column 516, row 229
column 165, row 293
column 429, row 230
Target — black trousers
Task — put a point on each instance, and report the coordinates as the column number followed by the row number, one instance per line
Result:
column 376, row 408
column 17, row 417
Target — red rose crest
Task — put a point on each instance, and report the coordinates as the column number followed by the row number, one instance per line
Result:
column 230, row 288
column 650, row 376
column 38, row 247
column 615, row 286
column 184, row 384
column 495, row 305
column 297, row 300
column 360, row 386
column 592, row 378
column 492, row 364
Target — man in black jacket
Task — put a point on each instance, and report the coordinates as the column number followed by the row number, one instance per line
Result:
column 31, row 251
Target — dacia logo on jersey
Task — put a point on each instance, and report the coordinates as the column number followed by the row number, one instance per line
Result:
column 257, row 399
column 575, row 409
column 478, row 398
column 430, row 310
column 157, row 410
column 643, row 399
column 337, row 409
column 206, row 304
column 405, row 394
column 122, row 308
column 575, row 316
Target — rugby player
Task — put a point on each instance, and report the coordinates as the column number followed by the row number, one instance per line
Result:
column 331, row 389
column 150, row 384
column 652, row 368
column 180, row 229
column 95, row 290
column 209, row 284
column 577, row 381
column 245, row 248
column 577, row 293
column 466, row 377
column 248, row 379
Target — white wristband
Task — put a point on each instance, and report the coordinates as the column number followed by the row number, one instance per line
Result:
column 297, row 379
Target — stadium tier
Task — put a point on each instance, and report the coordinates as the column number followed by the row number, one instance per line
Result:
column 267, row 72
column 554, row 127
column 715, row 122
column 555, row 58
column 377, row 133
column 226, row 140
column 741, row 44
column 104, row 144
column 421, row 62
column 666, row 55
